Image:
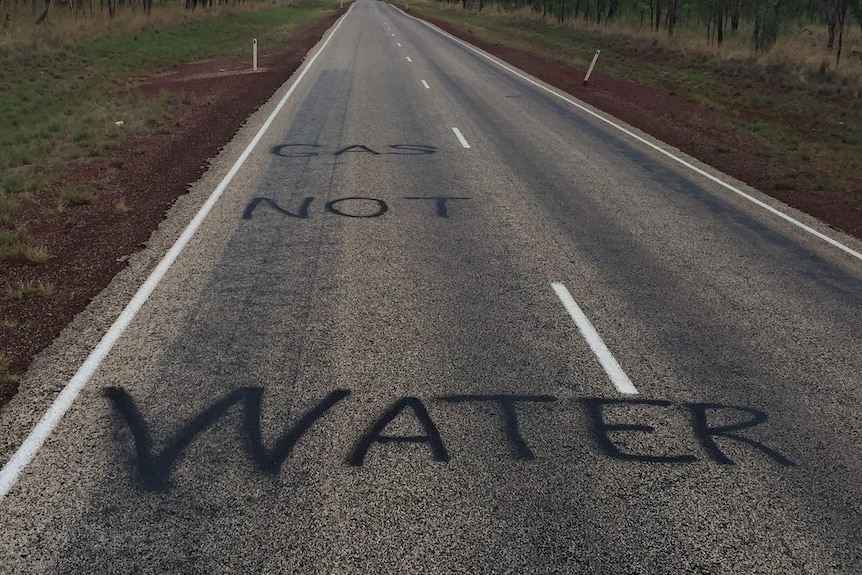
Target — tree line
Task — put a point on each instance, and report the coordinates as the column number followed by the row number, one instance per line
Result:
column 102, row 7
column 721, row 17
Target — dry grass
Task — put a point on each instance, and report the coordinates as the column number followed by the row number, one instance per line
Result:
column 59, row 209
column 7, row 378
column 77, row 196
column 32, row 288
column 8, row 205
column 801, row 47
column 121, row 207
column 25, row 254
column 10, row 238
column 61, row 24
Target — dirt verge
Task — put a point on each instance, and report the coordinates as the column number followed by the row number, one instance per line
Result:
column 135, row 184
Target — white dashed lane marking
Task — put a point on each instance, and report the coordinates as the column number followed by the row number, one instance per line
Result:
column 461, row 137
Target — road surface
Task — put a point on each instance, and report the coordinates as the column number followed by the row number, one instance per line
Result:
column 442, row 320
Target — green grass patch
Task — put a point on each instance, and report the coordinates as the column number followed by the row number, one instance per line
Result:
column 28, row 289
column 14, row 248
column 77, row 197
column 25, row 254
column 11, row 238
column 59, row 100
column 8, row 205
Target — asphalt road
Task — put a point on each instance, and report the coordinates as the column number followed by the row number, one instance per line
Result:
column 344, row 373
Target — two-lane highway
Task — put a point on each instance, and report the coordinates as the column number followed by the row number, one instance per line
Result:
column 442, row 319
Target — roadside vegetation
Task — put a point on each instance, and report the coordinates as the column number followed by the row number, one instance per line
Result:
column 28, row 289
column 803, row 25
column 791, row 104
column 65, row 82
column 80, row 104
column 7, row 378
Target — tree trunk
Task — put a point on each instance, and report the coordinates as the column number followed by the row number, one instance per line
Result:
column 842, row 15
column 671, row 17
column 709, row 30
column 831, row 21
column 657, row 15
column 44, row 12
column 719, row 25
column 767, row 21
column 734, row 16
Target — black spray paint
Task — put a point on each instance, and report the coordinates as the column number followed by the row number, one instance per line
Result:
column 294, row 151
column 333, row 207
column 706, row 435
column 440, row 203
column 356, row 148
column 381, row 207
column 699, row 426
column 154, row 470
column 602, row 429
column 507, row 403
column 312, row 150
column 375, row 434
column 302, row 213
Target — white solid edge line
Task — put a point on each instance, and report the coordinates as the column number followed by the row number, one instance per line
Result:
column 719, row 181
column 461, row 137
column 424, row 83
column 25, row 453
column 618, row 377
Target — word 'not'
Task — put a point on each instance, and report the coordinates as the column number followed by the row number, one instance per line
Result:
column 351, row 207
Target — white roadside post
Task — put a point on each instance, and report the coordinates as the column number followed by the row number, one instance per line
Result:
column 254, row 54
column 592, row 65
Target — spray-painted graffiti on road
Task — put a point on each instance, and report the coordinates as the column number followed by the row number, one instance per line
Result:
column 153, row 470
column 349, row 207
